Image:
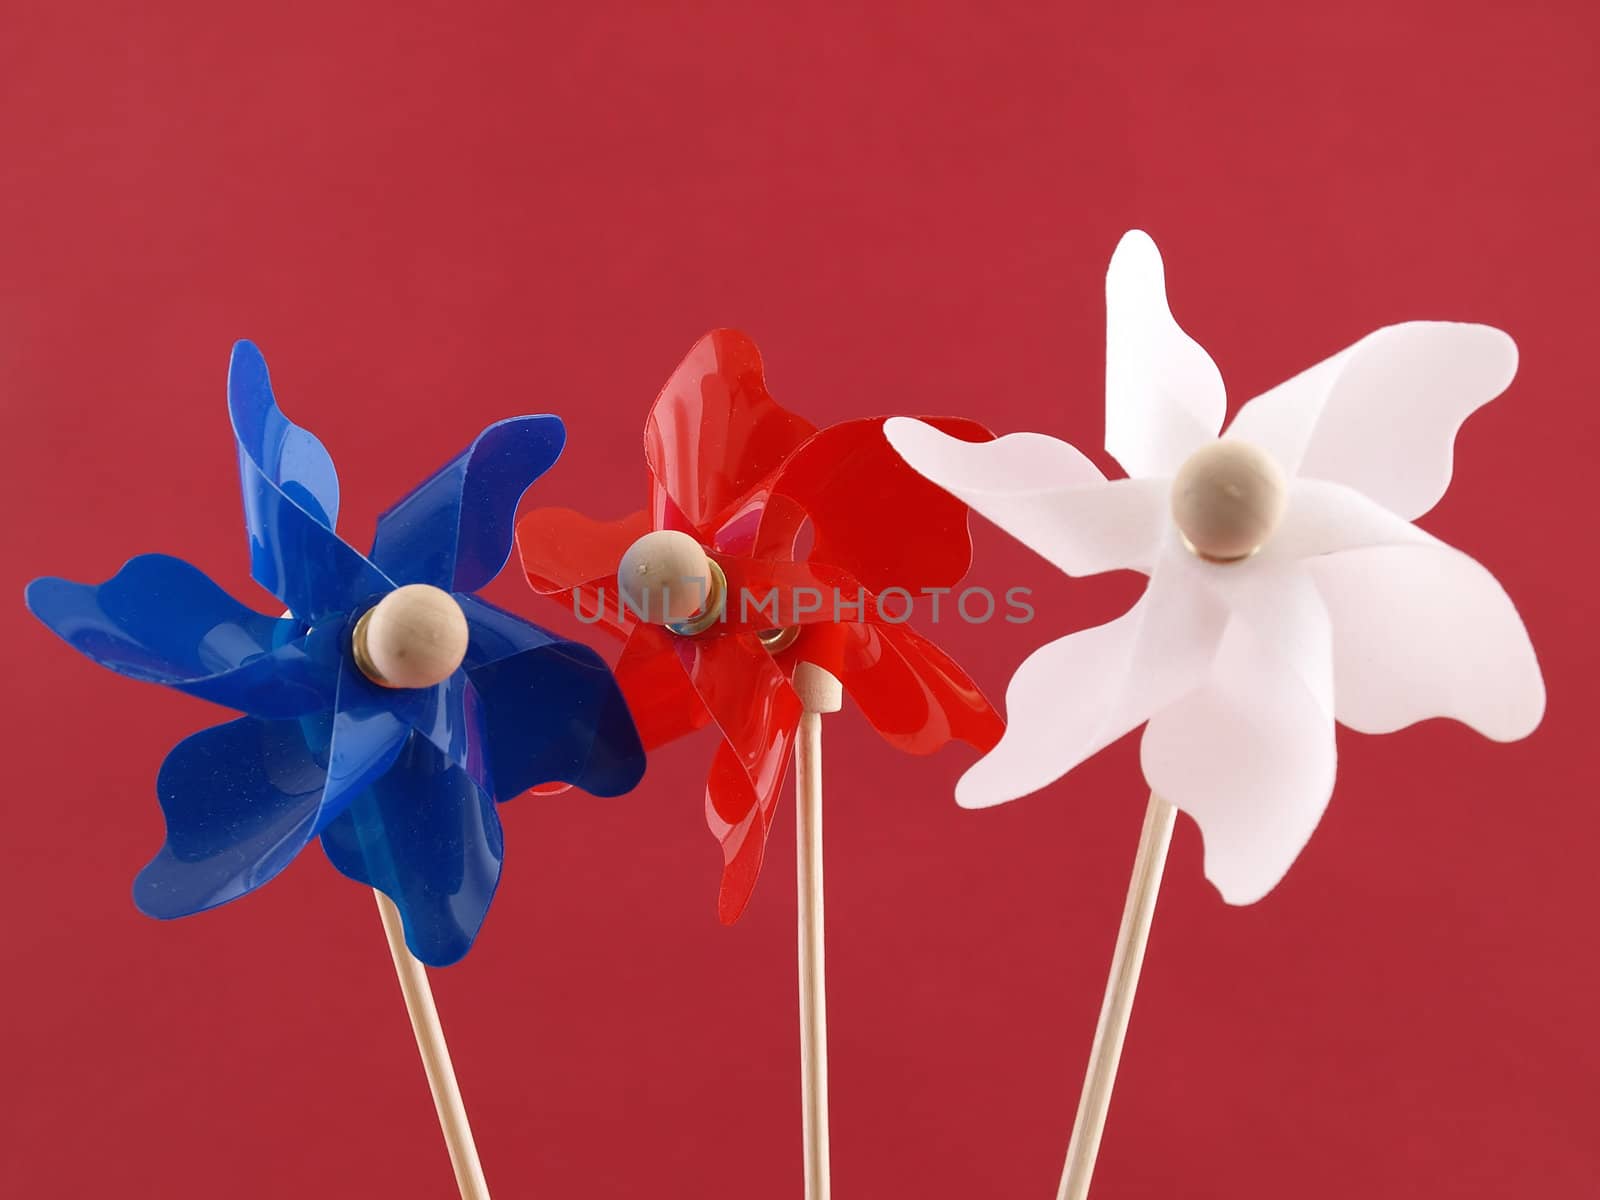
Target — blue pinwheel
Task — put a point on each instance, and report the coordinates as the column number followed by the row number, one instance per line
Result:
column 400, row 782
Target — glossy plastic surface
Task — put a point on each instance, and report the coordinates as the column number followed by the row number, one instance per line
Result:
column 291, row 500
column 429, row 838
column 746, row 478
column 240, row 801
column 664, row 702
column 455, row 530
column 913, row 693
column 849, row 469
column 749, row 697
column 400, row 783
column 218, row 649
column 714, row 435
column 573, row 557
column 552, row 710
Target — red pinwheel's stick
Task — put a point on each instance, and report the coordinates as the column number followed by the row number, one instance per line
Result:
column 435, row 1057
column 819, row 693
column 1148, row 864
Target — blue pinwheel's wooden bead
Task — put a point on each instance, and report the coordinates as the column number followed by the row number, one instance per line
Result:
column 667, row 579
column 1227, row 500
column 415, row 637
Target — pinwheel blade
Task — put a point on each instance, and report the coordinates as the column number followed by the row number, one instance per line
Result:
column 562, row 549
column 289, row 457
column 554, row 714
column 1164, row 395
column 751, row 701
column 1074, row 696
column 449, row 715
column 1424, row 631
column 454, row 530
column 1046, row 494
column 663, row 702
column 555, row 711
column 740, row 819
column 1381, row 416
column 713, row 434
column 1250, row 756
column 428, row 838
column 910, row 691
column 290, row 503
column 871, row 514
column 240, row 801
column 160, row 620
column 494, row 634
column 366, row 736
column 764, row 593
column 573, row 559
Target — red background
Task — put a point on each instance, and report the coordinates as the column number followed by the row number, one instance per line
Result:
column 434, row 218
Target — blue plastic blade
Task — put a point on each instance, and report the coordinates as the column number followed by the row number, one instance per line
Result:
column 160, row 620
column 291, row 457
column 365, row 739
column 493, row 633
column 449, row 715
column 454, row 531
column 291, row 498
column 554, row 713
column 430, row 840
column 240, row 801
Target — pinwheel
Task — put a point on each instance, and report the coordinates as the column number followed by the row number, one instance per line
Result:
column 1288, row 589
column 387, row 712
column 726, row 622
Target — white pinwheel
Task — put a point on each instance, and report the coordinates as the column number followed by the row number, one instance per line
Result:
column 1242, row 654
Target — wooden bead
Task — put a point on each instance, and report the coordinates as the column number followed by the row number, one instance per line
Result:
column 415, row 637
column 665, row 577
column 1227, row 500
column 818, row 689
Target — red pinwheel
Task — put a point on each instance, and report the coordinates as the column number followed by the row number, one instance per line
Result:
column 815, row 541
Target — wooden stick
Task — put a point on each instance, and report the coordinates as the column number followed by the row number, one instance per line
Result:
column 819, row 693
column 435, row 1057
column 1115, row 1009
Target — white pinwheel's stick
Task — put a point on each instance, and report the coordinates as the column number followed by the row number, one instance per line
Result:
column 819, row 693
column 435, row 1057
column 1115, row 1009
column 1227, row 498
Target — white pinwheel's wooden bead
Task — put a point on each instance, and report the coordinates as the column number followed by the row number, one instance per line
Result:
column 415, row 637
column 1227, row 500
column 667, row 579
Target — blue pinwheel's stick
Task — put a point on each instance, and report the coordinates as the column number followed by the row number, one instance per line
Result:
column 416, row 637
column 436, row 1062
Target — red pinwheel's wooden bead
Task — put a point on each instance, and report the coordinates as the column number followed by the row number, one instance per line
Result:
column 415, row 637
column 819, row 690
column 1228, row 499
column 666, row 578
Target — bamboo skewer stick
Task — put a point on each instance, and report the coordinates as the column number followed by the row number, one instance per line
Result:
column 819, row 693
column 435, row 1057
column 1149, row 862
